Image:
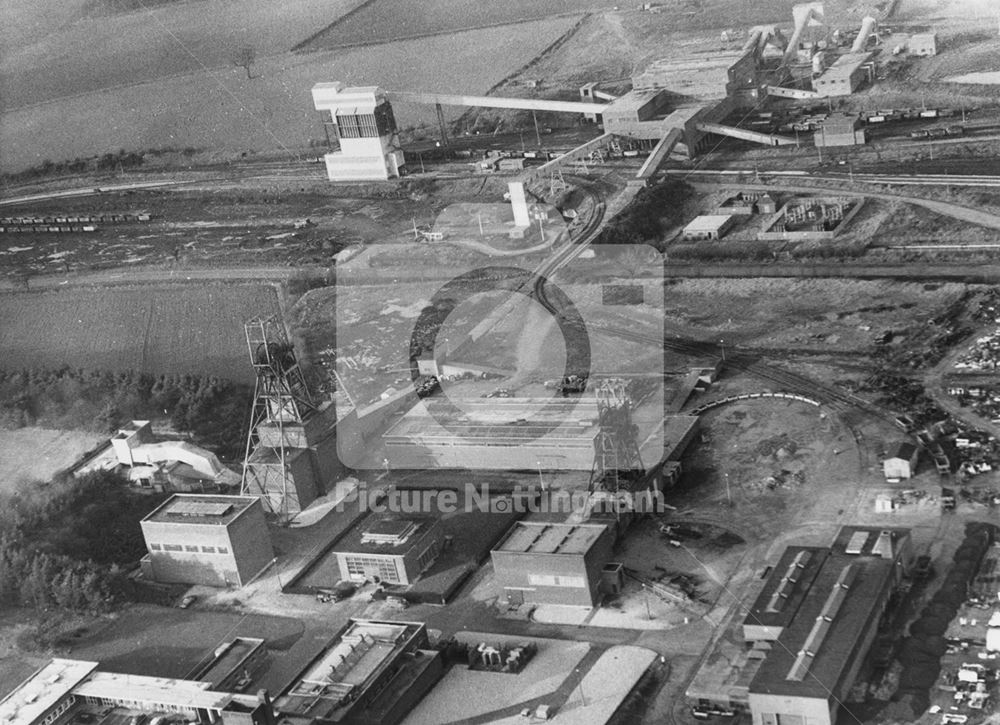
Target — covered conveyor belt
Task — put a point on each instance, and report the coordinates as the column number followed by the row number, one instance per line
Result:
column 768, row 139
column 658, row 155
column 527, row 104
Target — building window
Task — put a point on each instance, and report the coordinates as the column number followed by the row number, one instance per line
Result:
column 222, row 550
column 154, row 547
column 173, row 547
column 190, row 548
column 357, row 126
column 366, row 566
column 208, row 549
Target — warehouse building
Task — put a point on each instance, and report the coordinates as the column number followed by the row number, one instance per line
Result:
column 845, row 76
column 390, row 550
column 372, row 672
column 553, row 563
column 65, row 691
column 709, row 226
column 840, row 129
column 824, row 607
column 922, row 44
column 901, row 463
column 813, row 621
column 212, row 540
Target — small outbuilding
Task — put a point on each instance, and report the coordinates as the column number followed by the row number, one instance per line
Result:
column 922, row 44
column 709, row 226
column 901, row 463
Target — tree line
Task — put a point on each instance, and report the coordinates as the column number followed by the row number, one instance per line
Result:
column 214, row 411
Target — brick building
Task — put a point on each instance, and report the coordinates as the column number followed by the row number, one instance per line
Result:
column 553, row 563
column 213, row 540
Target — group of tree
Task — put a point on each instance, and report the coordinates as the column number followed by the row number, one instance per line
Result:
column 41, row 581
column 66, row 544
column 214, row 411
column 648, row 215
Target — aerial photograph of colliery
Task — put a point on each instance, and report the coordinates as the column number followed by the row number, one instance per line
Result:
column 455, row 362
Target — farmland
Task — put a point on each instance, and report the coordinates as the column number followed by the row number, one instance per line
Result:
column 158, row 329
column 222, row 110
column 88, row 44
column 387, row 20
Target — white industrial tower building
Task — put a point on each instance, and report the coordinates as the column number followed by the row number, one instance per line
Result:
column 366, row 133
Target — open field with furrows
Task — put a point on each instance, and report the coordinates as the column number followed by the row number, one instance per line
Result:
column 222, row 110
column 383, row 21
column 818, row 315
column 56, row 48
column 157, row 328
column 34, row 454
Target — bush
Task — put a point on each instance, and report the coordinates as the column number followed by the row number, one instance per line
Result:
column 647, row 216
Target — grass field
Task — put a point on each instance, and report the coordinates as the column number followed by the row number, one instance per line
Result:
column 220, row 109
column 56, row 49
column 387, row 20
column 34, row 454
column 159, row 329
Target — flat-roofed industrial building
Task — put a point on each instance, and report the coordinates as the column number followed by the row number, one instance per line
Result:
column 64, row 690
column 922, row 44
column 371, row 672
column 813, row 621
column 200, row 539
column 708, row 226
column 390, row 549
column 845, row 76
column 553, row 563
column 816, row 619
column 234, row 664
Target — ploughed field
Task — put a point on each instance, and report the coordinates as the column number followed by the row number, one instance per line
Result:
column 155, row 328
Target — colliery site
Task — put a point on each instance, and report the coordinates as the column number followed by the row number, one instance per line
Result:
column 371, row 363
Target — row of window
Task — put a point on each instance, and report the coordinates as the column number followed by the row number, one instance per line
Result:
column 548, row 580
column 59, row 710
column 428, row 556
column 189, row 548
column 357, row 126
column 136, row 704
